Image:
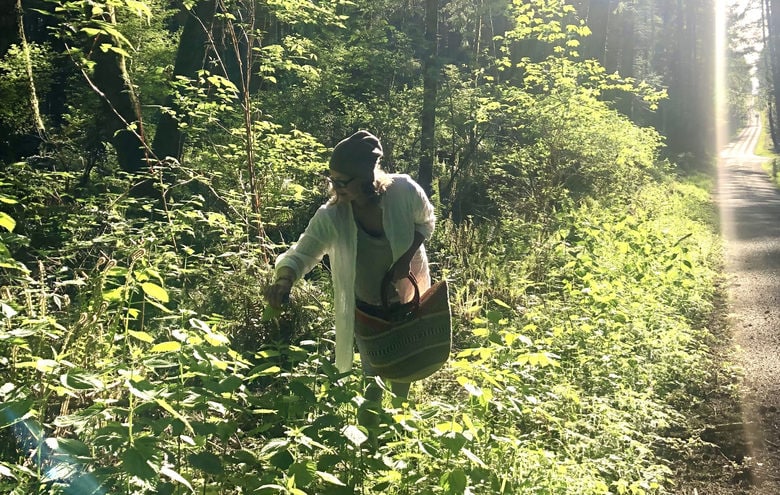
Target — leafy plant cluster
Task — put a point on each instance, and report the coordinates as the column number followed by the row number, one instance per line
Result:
column 137, row 355
column 139, row 371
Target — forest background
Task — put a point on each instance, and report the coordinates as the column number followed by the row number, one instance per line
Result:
column 158, row 155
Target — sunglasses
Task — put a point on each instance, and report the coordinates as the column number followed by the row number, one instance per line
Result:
column 340, row 183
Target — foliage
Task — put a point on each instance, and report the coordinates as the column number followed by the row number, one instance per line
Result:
column 574, row 353
column 138, row 356
column 14, row 85
column 531, row 132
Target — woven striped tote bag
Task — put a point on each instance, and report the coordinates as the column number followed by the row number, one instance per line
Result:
column 407, row 342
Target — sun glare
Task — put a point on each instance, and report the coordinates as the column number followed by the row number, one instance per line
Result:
column 721, row 134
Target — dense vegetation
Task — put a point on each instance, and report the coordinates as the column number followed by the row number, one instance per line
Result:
column 158, row 157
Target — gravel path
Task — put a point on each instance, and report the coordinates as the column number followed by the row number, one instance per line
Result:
column 750, row 223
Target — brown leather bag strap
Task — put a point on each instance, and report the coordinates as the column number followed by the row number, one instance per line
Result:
column 387, row 280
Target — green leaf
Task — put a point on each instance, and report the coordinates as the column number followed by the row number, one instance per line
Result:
column 7, row 310
column 81, row 380
column 501, row 303
column 114, row 294
column 200, row 325
column 354, row 435
column 176, row 414
column 494, row 316
column 19, row 267
column 169, row 346
column 429, row 448
column 5, row 472
column 270, row 489
column 159, row 306
column 112, row 31
column 481, row 332
column 118, row 50
column 155, row 291
column 137, row 392
column 142, row 336
column 134, row 462
column 281, row 460
column 330, row 478
column 91, row 32
column 139, row 8
column 5, row 253
column 206, row 462
column 216, row 339
column 473, row 458
column 453, row 441
column 457, row 481
column 264, row 370
column 449, row 427
column 303, row 473
column 470, row 425
column 69, row 447
column 170, row 473
column 13, row 412
column 230, row 384
column 42, row 365
column 301, row 390
column 7, row 222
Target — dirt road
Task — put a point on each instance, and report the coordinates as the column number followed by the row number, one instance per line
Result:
column 750, row 223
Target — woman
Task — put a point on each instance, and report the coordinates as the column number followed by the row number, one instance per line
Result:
column 373, row 224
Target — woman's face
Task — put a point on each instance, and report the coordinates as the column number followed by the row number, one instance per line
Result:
column 348, row 188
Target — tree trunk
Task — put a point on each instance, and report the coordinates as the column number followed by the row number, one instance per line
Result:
column 430, row 86
column 628, row 42
column 598, row 22
column 769, row 62
column 34, row 106
column 773, row 23
column 772, row 126
column 168, row 139
column 121, row 118
column 627, row 55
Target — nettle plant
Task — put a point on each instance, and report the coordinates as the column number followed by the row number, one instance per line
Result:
column 560, row 387
column 111, row 384
column 88, row 400
column 576, row 368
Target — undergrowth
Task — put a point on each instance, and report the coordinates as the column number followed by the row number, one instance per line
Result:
column 137, row 358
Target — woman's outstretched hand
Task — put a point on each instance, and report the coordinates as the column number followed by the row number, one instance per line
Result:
column 278, row 293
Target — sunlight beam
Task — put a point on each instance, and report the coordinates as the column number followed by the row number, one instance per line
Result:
column 721, row 87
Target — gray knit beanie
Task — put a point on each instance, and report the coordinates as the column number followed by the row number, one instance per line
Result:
column 357, row 155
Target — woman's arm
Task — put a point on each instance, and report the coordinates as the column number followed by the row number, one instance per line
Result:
column 424, row 218
column 424, row 213
column 402, row 267
column 299, row 259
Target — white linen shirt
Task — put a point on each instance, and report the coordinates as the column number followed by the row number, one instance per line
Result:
column 333, row 231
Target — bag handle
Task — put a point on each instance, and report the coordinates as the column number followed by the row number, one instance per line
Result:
column 387, row 280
